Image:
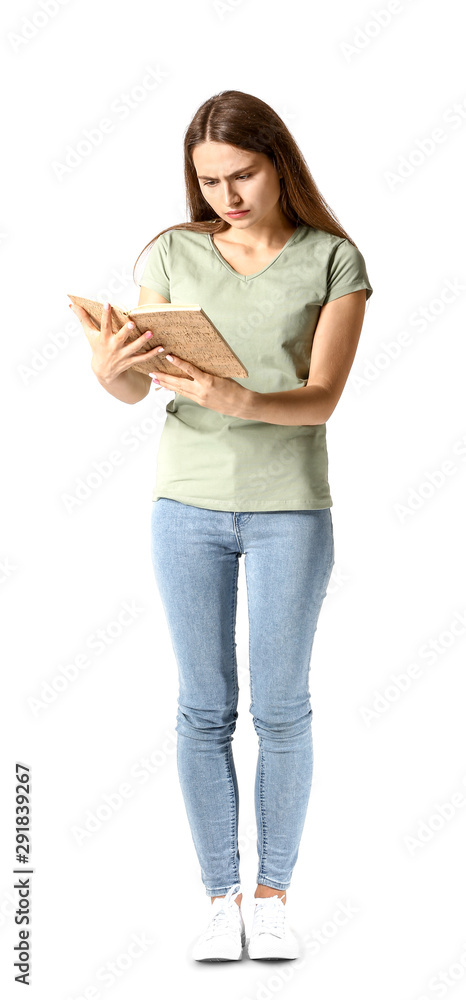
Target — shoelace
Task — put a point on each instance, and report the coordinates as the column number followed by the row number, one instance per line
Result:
column 221, row 919
column 269, row 916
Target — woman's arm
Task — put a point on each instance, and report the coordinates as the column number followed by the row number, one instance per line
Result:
column 129, row 386
column 334, row 346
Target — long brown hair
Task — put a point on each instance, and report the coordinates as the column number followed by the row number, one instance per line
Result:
column 245, row 121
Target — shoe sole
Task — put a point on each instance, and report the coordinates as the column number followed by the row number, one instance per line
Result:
column 229, row 959
column 271, row 958
column 225, row 958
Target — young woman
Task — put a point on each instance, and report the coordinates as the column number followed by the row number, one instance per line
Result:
column 242, row 470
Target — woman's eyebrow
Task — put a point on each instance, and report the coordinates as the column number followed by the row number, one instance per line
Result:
column 203, row 177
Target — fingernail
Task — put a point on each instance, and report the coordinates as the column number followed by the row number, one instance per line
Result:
column 148, row 333
column 106, row 304
column 130, row 326
column 169, row 357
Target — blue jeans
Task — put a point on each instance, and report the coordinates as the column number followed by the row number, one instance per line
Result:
column 289, row 556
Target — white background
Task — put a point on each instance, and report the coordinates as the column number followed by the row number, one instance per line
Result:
column 357, row 96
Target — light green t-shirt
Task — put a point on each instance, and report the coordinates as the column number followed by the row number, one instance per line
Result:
column 208, row 459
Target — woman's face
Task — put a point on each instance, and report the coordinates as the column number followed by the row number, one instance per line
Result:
column 234, row 179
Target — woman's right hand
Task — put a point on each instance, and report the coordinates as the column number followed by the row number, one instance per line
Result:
column 110, row 355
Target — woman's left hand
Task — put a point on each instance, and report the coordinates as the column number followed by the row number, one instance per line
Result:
column 213, row 391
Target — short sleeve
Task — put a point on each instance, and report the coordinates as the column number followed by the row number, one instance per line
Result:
column 156, row 274
column 346, row 272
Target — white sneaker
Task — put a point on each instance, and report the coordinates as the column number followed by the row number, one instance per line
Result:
column 225, row 936
column 271, row 934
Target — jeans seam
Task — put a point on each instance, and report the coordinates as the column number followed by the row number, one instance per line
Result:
column 233, row 807
column 230, row 760
column 234, row 598
column 263, row 828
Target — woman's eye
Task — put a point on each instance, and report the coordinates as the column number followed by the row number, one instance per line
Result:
column 241, row 177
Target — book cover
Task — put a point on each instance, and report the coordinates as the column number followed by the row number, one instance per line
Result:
column 184, row 330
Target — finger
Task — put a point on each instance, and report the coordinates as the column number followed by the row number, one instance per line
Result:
column 77, row 309
column 185, row 366
column 130, row 343
column 90, row 328
column 167, row 380
column 82, row 315
column 137, row 343
column 106, row 325
column 106, row 321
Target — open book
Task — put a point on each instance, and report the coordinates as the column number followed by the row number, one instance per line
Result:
column 184, row 330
